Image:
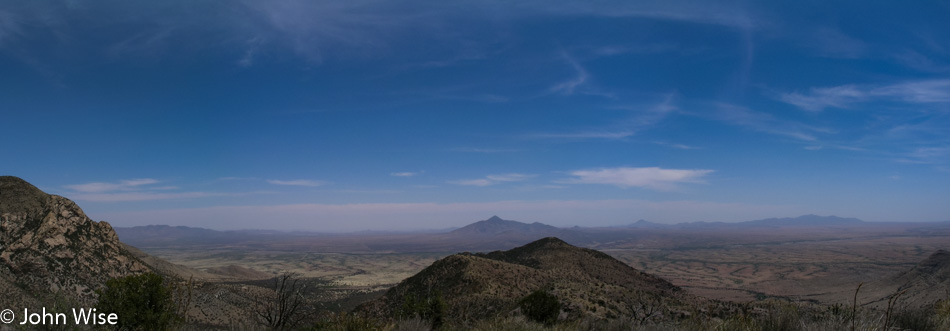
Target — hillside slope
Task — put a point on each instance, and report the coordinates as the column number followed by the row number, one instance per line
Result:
column 925, row 283
column 585, row 281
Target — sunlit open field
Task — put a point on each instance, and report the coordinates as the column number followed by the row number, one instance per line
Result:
column 367, row 270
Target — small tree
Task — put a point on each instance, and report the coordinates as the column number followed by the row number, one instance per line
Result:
column 644, row 307
column 282, row 308
column 142, row 302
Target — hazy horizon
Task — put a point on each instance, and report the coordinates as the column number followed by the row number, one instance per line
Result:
column 452, row 228
column 371, row 115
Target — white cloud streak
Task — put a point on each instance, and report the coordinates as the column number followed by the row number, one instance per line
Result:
column 140, row 189
column 711, row 13
column 925, row 91
column 644, row 118
column 485, row 150
column 297, row 182
column 317, row 30
column 675, row 145
column 832, row 42
column 581, row 76
column 405, row 174
column 763, row 122
column 493, row 179
column 97, row 187
column 846, row 96
column 649, row 177
column 609, row 135
column 820, row 98
column 140, row 196
column 918, row 61
column 9, row 27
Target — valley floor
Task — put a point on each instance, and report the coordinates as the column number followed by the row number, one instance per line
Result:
column 822, row 270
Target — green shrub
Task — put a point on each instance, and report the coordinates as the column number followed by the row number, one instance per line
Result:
column 142, row 302
column 541, row 306
column 942, row 308
column 431, row 308
column 916, row 319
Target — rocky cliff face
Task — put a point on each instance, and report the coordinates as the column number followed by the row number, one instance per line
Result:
column 48, row 245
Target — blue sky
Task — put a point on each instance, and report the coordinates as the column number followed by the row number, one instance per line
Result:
column 353, row 115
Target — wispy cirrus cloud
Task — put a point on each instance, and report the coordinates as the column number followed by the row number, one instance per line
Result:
column 922, row 91
column 930, row 152
column 675, row 145
column 233, row 178
column 820, row 98
column 141, row 196
column 140, row 189
column 916, row 60
column 9, row 26
column 123, row 185
column 931, row 155
column 406, row 174
column 643, row 118
column 845, row 96
column 581, row 76
column 605, row 134
column 493, row 179
column 648, row 177
column 721, row 14
column 612, row 50
column 316, row 31
column 764, row 122
column 832, row 42
column 485, row 150
column 297, row 182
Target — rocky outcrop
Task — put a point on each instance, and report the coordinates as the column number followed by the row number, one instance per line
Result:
column 48, row 245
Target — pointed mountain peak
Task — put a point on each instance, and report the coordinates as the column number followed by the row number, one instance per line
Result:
column 495, row 219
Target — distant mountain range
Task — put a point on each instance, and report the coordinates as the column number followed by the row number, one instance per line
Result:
column 491, row 227
column 497, row 233
column 801, row 221
column 495, row 226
